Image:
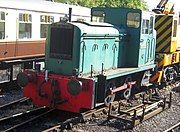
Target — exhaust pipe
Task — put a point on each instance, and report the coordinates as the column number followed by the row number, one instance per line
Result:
column 70, row 14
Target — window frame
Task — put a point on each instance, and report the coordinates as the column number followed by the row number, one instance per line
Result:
column 4, row 22
column 99, row 16
column 136, row 23
column 146, row 27
column 48, row 19
column 175, row 24
column 151, row 25
column 25, row 18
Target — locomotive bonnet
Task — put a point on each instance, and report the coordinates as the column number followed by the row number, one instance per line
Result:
column 71, row 46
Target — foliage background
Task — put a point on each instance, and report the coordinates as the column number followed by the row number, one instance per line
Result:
column 136, row 4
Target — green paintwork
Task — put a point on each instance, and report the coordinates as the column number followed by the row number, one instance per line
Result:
column 93, row 44
column 135, row 53
column 117, row 47
column 147, row 41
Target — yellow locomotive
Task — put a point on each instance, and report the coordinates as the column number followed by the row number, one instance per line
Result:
column 167, row 45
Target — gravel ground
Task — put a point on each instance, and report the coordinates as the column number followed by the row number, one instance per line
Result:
column 9, row 92
column 47, row 121
column 16, row 108
column 9, row 95
column 158, row 123
column 163, row 120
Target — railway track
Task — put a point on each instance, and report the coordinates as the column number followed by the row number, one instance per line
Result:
column 133, row 115
column 14, row 115
column 21, row 100
column 18, row 120
column 68, row 124
column 174, row 128
column 141, row 112
column 15, row 106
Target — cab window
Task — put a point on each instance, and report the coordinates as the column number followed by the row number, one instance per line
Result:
column 98, row 16
column 133, row 20
column 145, row 26
column 45, row 22
column 25, row 26
column 2, row 25
column 151, row 26
column 175, row 28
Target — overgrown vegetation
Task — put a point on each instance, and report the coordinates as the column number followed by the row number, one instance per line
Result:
column 137, row 4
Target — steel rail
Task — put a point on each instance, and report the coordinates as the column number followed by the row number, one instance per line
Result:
column 27, row 121
column 14, row 102
column 171, row 129
column 28, row 112
column 38, row 112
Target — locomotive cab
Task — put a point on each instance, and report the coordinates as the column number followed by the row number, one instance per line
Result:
column 139, row 47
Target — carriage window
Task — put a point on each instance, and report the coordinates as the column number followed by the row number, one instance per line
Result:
column 175, row 28
column 98, row 16
column 2, row 25
column 133, row 20
column 145, row 26
column 25, row 25
column 45, row 21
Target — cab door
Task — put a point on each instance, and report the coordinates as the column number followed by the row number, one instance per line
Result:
column 152, row 40
column 147, row 40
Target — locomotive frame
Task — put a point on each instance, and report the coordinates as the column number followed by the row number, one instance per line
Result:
column 80, row 76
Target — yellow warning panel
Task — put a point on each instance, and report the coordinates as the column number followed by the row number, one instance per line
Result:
column 167, row 59
column 178, row 38
column 166, row 27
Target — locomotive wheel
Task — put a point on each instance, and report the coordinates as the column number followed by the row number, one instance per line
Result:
column 170, row 74
column 109, row 97
column 127, row 92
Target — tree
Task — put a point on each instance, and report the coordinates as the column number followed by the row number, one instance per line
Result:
column 137, row 4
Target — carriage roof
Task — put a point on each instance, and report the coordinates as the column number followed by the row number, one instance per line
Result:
column 44, row 6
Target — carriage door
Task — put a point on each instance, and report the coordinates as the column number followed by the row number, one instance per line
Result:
column 147, row 40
